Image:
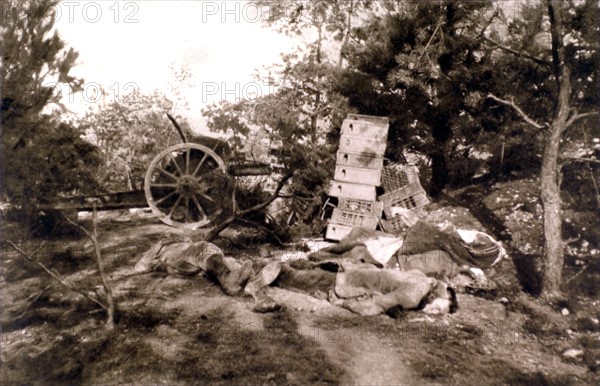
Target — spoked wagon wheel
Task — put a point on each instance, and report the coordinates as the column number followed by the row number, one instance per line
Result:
column 182, row 185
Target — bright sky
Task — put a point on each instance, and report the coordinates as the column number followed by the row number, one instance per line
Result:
column 129, row 45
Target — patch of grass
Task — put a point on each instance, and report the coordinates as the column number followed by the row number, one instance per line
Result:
column 59, row 361
column 542, row 329
column 587, row 324
column 455, row 364
column 589, row 342
column 373, row 324
column 516, row 377
column 145, row 320
column 446, row 354
column 225, row 353
column 588, row 285
column 442, row 364
column 58, row 307
column 400, row 329
column 209, row 350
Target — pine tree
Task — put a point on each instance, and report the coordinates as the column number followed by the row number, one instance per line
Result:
column 41, row 157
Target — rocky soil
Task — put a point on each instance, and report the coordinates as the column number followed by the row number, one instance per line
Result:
column 184, row 330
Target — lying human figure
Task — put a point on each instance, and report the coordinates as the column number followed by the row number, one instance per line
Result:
column 369, row 290
column 425, row 248
column 372, row 291
column 353, row 284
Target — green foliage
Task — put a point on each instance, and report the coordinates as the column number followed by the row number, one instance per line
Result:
column 422, row 65
column 41, row 157
column 281, row 120
column 304, row 112
column 129, row 134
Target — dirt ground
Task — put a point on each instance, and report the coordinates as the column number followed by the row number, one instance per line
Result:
column 179, row 330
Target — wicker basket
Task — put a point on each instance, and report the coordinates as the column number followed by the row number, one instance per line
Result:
column 397, row 176
column 354, row 219
column 412, row 196
column 373, row 208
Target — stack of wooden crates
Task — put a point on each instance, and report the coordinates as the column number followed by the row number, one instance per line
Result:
column 358, row 169
column 402, row 188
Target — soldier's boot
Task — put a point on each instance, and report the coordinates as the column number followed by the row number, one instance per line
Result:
column 232, row 281
column 267, row 275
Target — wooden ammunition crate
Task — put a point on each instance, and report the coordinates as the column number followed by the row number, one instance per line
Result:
column 397, row 176
column 337, row 232
column 369, row 118
column 362, row 145
column 350, row 190
column 412, row 196
column 375, row 128
column 373, row 208
column 357, row 175
column 354, row 219
column 360, row 160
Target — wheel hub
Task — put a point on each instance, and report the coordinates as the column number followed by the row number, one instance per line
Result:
column 187, row 185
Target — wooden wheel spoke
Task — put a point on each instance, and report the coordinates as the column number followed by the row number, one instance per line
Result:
column 187, row 160
column 199, row 206
column 206, row 196
column 163, row 185
column 187, row 210
column 163, row 171
column 174, row 160
column 200, row 164
column 163, row 199
column 174, row 207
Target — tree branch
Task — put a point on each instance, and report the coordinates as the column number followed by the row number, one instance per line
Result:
column 273, row 197
column 35, row 299
column 93, row 236
column 575, row 117
column 585, row 267
column 592, row 174
column 263, row 227
column 581, row 159
column 437, row 27
column 518, row 53
column 29, row 257
column 523, row 115
column 236, row 215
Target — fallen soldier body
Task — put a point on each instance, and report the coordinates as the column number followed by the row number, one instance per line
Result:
column 368, row 290
column 180, row 255
column 350, row 283
column 425, row 248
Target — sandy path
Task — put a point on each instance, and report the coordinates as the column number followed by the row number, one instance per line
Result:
column 367, row 358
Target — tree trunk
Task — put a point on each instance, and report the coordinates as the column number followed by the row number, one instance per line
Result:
column 314, row 118
column 110, row 300
column 346, row 33
column 441, row 133
column 439, row 169
column 551, row 202
column 550, row 185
